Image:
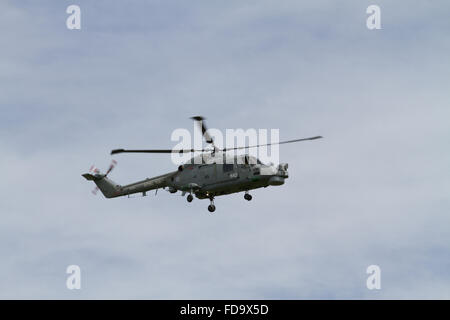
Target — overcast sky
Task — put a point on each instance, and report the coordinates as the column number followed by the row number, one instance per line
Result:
column 374, row 191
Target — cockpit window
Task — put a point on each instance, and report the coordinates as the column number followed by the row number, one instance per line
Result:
column 252, row 160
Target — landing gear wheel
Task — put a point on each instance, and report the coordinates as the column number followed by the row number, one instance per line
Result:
column 247, row 197
column 211, row 208
column 189, row 198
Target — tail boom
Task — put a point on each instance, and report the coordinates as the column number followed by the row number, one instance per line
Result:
column 112, row 190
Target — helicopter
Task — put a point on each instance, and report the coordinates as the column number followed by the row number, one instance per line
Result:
column 208, row 175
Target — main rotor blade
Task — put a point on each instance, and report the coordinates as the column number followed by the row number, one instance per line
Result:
column 115, row 151
column 270, row 144
column 201, row 123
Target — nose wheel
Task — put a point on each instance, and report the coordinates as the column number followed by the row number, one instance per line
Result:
column 189, row 198
column 211, row 207
column 247, row 196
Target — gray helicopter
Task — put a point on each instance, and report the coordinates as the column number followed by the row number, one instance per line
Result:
column 212, row 173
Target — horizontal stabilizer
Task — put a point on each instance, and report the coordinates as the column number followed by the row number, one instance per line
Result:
column 90, row 177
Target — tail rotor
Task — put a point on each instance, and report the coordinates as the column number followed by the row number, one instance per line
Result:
column 96, row 172
column 111, row 167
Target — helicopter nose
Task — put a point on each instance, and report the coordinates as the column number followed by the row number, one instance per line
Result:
column 276, row 181
column 282, row 170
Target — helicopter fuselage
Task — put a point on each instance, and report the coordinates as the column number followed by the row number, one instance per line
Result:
column 211, row 180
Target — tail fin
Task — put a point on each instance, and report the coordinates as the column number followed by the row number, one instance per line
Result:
column 108, row 187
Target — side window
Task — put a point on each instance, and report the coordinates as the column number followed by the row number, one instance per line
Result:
column 228, row 167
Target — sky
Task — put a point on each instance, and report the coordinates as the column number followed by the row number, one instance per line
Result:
column 374, row 191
